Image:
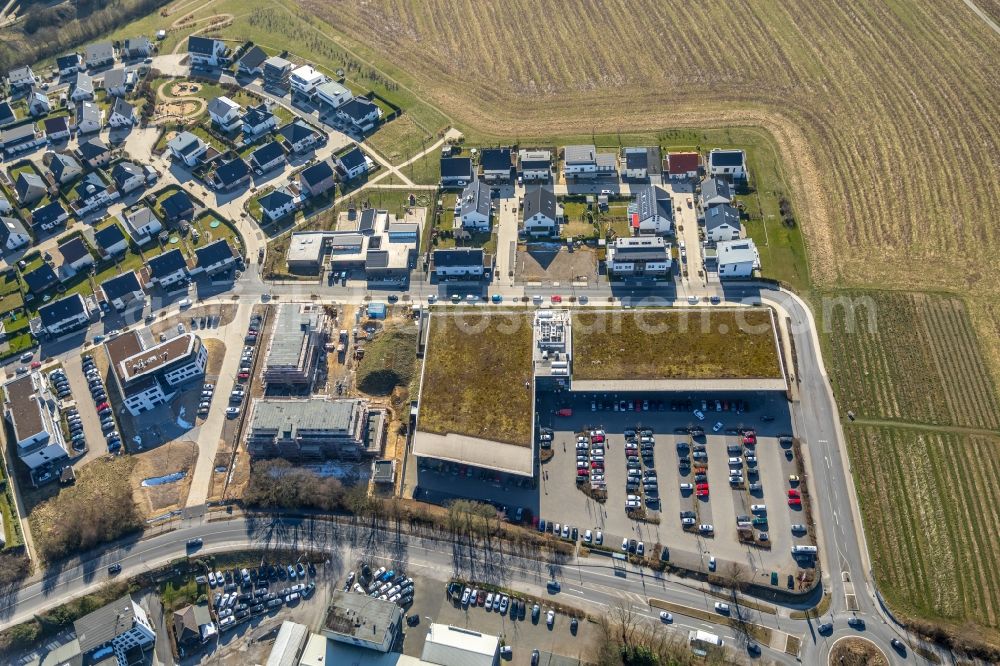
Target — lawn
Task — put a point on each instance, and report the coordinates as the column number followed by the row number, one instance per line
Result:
column 426, row 170
column 675, row 344
column 390, row 361
column 224, row 231
column 477, row 378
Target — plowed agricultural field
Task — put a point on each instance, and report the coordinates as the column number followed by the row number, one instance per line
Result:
column 919, row 362
column 931, row 508
column 885, row 112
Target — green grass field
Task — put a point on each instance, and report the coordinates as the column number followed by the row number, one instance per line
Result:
column 674, row 344
column 390, row 361
column 493, row 347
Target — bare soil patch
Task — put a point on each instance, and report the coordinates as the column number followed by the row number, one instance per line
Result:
column 178, row 456
column 857, row 652
column 557, row 265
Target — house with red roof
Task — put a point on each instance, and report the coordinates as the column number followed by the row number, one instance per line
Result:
column 683, row 165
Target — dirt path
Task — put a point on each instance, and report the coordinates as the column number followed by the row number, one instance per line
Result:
column 174, row 108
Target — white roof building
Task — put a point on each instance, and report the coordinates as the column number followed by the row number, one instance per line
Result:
column 453, row 646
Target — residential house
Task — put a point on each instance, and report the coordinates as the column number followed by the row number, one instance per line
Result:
column 586, row 162
column 110, row 240
column 56, row 128
column 168, row 269
column 225, row 113
column 206, row 52
column 475, row 206
column 535, row 164
column 141, row 225
column 122, row 114
column 683, row 165
column 64, row 168
column 94, row 152
column 540, row 213
column 267, row 157
column 251, row 63
column 137, row 48
column 215, row 258
column 147, row 375
column 333, row 94
column 278, row 203
column 75, row 256
column 465, row 262
column 731, row 163
column 5, row 207
column 193, row 626
column 305, row 79
column 92, row 193
column 363, row 114
column 353, row 163
column 737, row 258
column 36, row 435
column 47, row 217
column 276, row 72
column 128, row 177
column 639, row 256
column 7, row 116
column 114, row 82
column 299, row 137
column 68, row 64
column 317, row 179
column 13, row 235
column 121, row 291
column 257, row 121
column 496, row 164
column 715, row 191
column 121, row 628
column 652, row 213
column 83, row 89
column 722, row 223
column 642, row 163
column 97, row 56
column 38, row 103
column 232, row 174
column 65, row 315
column 89, row 117
column 40, row 279
column 456, row 171
column 20, row 139
column 187, row 148
column 21, row 79
column 29, row 187
column 178, row 206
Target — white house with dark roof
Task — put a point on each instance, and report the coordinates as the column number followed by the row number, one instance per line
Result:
column 68, row 64
column 135, row 48
column 187, row 148
column 29, row 187
column 353, row 163
column 206, row 52
column 456, row 171
column 737, row 258
column 146, row 376
column 114, row 82
column 465, row 262
column 128, row 177
column 225, row 113
column 232, row 174
column 5, row 207
column 89, row 118
column 279, row 203
column 110, row 240
column 215, row 258
column 142, row 225
column 65, row 315
column 580, row 161
column 251, row 63
column 299, row 136
column 496, row 164
column 122, row 114
column 475, row 206
column 267, row 157
column 540, row 214
column 178, row 206
column 639, row 256
column 652, row 212
column 642, row 162
column 64, row 168
column 83, row 89
column 92, row 193
column 167, row 269
column 48, row 216
column 123, row 290
column 37, row 435
column 731, row 163
column 93, row 152
column 7, row 116
column 38, row 103
column 363, row 114
column 13, row 235
column 317, row 179
column 715, row 191
column 722, row 223
column 534, row 165
column 99, row 55
column 75, row 255
column 56, row 128
column 258, row 120
column 20, row 138
column 21, row 79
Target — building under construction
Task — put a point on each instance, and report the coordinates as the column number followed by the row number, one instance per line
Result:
column 296, row 347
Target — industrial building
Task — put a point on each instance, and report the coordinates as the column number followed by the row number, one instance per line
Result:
column 448, row 645
column 363, row 621
column 314, row 428
column 297, row 345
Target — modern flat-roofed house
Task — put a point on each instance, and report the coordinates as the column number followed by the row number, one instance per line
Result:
column 456, row 171
column 48, row 216
column 278, row 203
column 122, row 290
column 296, row 346
column 13, row 235
column 111, row 240
column 68, row 64
column 187, row 148
column 642, row 163
column 99, row 55
column 640, row 256
column 317, row 179
column 83, row 89
column 267, row 157
column 333, row 94
column 232, row 174
column 29, row 188
column 215, row 258
column 206, row 52
column 465, row 262
column 363, row 114
column 475, row 206
column 122, row 114
column 136, row 48
column 167, row 269
column 21, row 79
column 56, row 128
column 147, row 376
column 579, row 161
column 304, row 80
column 34, row 423
column 299, row 137
column 20, row 139
column 178, row 206
column 225, row 113
column 496, row 164
column 535, row 165
column 128, row 177
column 258, row 120
column 731, row 163
column 276, row 72
column 737, row 258
column 540, row 214
column 722, row 223
column 141, row 225
column 89, row 118
column 715, row 191
column 121, row 629
column 251, row 63
column 312, row 428
column 353, row 164
column 65, row 315
column 653, row 212
column 93, row 152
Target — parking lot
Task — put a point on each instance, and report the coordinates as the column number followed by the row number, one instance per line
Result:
column 760, row 473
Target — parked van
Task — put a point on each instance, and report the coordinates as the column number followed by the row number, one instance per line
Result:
column 758, row 508
column 804, row 550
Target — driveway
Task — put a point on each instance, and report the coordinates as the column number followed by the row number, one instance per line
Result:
column 507, row 222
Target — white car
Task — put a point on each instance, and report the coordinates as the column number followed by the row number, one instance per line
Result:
column 717, row 427
column 632, row 504
column 504, row 602
column 496, row 602
column 699, row 415
column 588, row 536
column 666, row 617
column 489, row 601
column 625, row 545
column 232, row 412
column 711, row 563
column 599, row 538
column 465, row 596
column 640, row 549
column 211, row 578
column 687, row 486
column 706, row 528
column 565, row 531
column 721, row 608
column 550, row 618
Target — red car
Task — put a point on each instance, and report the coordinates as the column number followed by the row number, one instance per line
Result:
column 243, row 376
column 103, row 405
column 794, row 501
column 597, row 439
column 582, row 472
column 750, row 439
column 792, row 492
column 565, row 411
column 701, row 492
column 35, row 365
column 557, row 299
